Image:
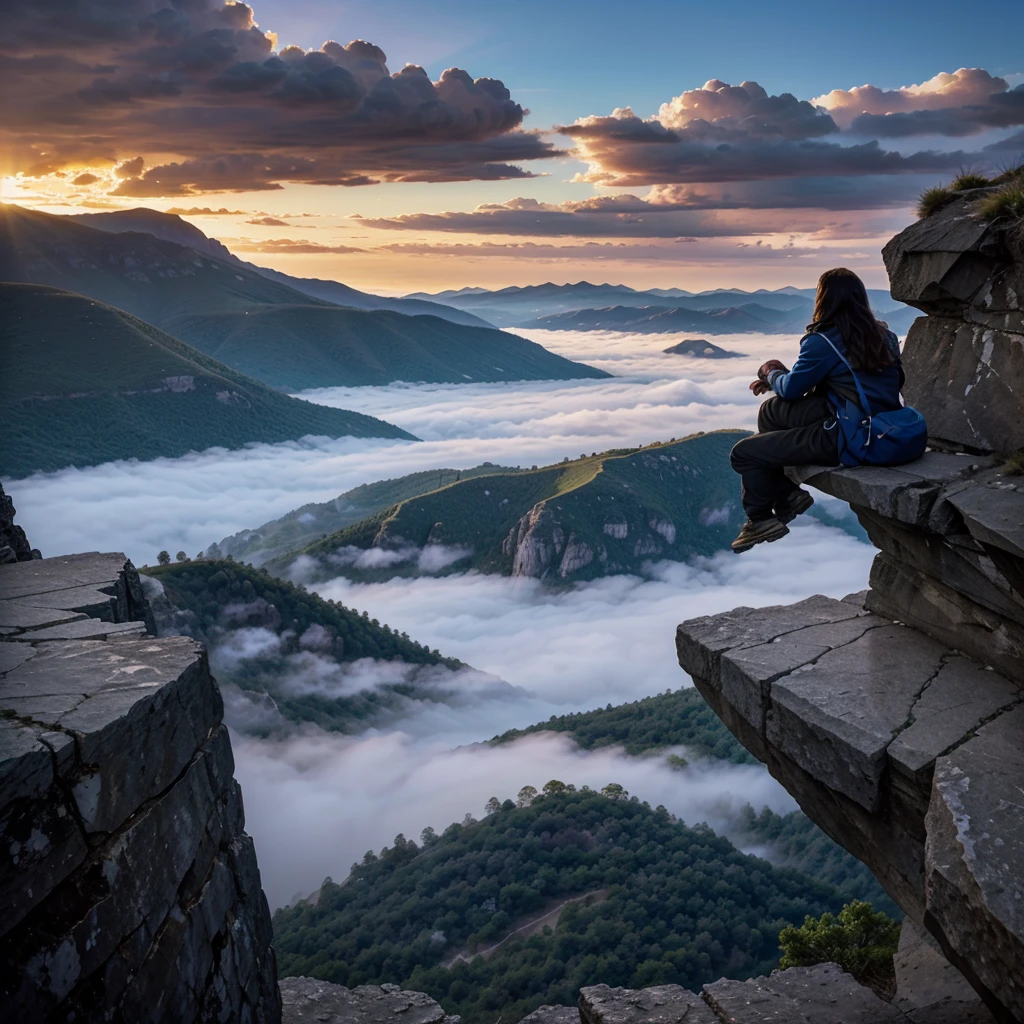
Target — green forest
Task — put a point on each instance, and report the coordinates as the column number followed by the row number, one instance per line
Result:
column 677, row 718
column 211, row 597
column 682, row 718
column 667, row 903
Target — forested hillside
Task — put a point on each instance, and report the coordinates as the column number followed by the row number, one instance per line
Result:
column 683, row 719
column 580, row 519
column 667, row 904
column 85, row 383
column 268, row 636
column 311, row 522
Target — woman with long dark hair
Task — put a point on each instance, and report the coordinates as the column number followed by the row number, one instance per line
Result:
column 797, row 426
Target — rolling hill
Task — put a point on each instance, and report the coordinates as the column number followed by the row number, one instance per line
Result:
column 284, row 655
column 598, row 515
column 630, row 894
column 171, row 228
column 253, row 323
column 314, row 521
column 664, row 320
column 85, row 383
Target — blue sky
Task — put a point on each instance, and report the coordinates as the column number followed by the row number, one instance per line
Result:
column 567, row 58
column 338, row 163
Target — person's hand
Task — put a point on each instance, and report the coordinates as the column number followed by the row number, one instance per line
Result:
column 772, row 364
column 759, row 387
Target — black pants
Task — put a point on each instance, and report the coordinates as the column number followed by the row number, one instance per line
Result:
column 790, row 433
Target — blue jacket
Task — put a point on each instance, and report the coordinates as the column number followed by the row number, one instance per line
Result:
column 819, row 369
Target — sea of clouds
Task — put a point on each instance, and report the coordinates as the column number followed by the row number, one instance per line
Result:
column 316, row 801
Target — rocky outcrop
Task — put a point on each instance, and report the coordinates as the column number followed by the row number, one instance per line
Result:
column 964, row 361
column 896, row 717
column 14, row 545
column 319, row 1002
column 129, row 889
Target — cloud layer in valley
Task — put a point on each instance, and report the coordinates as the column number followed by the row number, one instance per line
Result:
column 199, row 98
column 536, row 652
column 604, row 642
column 187, row 503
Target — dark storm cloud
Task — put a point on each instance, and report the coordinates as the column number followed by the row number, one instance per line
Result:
column 205, row 97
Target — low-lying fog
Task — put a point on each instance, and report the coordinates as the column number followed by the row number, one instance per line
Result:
column 315, row 802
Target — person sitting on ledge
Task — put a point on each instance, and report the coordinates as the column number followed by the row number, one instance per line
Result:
column 797, row 426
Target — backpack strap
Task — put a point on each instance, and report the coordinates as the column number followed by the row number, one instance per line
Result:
column 865, row 404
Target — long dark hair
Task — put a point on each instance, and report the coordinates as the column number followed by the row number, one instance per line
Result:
column 842, row 302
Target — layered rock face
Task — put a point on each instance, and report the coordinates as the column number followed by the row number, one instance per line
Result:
column 129, row 890
column 896, row 717
column 965, row 361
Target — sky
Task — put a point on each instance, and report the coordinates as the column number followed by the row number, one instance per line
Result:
column 403, row 146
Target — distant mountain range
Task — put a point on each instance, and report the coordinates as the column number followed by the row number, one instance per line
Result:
column 269, row 330
column 589, row 307
column 171, row 228
column 85, row 383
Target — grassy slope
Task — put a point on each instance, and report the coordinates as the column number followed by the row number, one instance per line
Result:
column 311, row 522
column 200, row 591
column 683, row 907
column 677, row 481
column 264, row 328
column 683, row 718
column 85, row 383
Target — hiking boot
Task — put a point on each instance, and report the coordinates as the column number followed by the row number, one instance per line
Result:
column 758, row 532
column 796, row 504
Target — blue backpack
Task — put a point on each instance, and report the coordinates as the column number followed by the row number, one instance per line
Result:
column 883, row 439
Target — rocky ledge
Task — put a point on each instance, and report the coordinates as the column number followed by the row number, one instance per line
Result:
column 128, row 887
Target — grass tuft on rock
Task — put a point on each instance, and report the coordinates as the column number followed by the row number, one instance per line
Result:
column 1008, row 202
column 934, row 199
column 968, row 180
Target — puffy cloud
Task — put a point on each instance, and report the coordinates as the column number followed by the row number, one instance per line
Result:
column 968, row 87
column 1001, row 110
column 267, row 221
column 625, row 150
column 724, row 111
column 205, row 95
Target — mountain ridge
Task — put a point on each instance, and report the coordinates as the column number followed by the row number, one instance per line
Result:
column 86, row 383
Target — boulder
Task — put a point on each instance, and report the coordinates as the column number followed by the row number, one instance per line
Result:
column 940, row 263
column 660, row 1004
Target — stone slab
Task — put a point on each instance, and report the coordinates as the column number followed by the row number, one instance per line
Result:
column 899, row 591
column 823, row 994
column 320, row 1002
column 95, row 601
column 553, row 1015
column 139, row 710
column 40, row 576
column 837, row 717
column 18, row 614
column 661, row 1004
column 974, row 859
column 929, row 989
column 84, row 629
column 956, row 702
column 905, row 493
column 994, row 514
